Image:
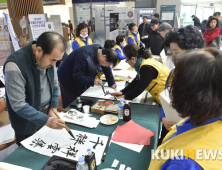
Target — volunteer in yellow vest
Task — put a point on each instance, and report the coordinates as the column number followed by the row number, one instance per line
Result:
column 134, row 36
column 151, row 76
column 82, row 33
column 121, row 43
column 179, row 41
column 196, row 92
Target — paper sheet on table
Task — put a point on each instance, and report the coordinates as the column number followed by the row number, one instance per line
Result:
column 2, row 92
column 122, row 65
column 126, row 73
column 133, row 133
column 7, row 134
column 51, row 142
column 7, row 166
column 171, row 114
column 134, row 147
column 89, row 122
column 97, row 92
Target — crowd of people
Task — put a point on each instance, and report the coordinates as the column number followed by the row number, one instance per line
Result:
column 32, row 82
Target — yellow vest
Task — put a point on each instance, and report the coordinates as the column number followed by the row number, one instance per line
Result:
column 157, row 85
column 81, row 43
column 203, row 137
column 118, row 60
column 132, row 36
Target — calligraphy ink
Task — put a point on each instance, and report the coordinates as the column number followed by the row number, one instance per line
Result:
column 126, row 112
column 90, row 159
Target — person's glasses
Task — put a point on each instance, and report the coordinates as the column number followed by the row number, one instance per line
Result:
column 127, row 60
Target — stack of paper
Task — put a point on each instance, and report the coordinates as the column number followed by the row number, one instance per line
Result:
column 7, row 134
column 89, row 122
column 133, row 133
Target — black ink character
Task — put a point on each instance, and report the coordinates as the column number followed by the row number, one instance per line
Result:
column 96, row 143
column 38, row 142
column 72, row 113
column 80, row 139
column 106, row 93
column 54, row 148
column 71, row 152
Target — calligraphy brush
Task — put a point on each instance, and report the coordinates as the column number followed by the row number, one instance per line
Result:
column 102, row 85
column 68, row 130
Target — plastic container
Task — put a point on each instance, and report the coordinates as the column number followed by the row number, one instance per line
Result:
column 81, row 164
column 126, row 112
column 120, row 109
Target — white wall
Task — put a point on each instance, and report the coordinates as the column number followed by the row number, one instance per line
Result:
column 62, row 10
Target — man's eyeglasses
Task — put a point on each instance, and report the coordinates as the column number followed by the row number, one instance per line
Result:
column 127, row 60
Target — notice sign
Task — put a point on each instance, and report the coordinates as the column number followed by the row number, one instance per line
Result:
column 38, row 24
column 114, row 24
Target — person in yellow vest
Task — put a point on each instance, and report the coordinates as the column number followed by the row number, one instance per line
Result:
column 82, row 34
column 151, row 76
column 121, row 43
column 196, row 93
column 134, row 36
column 179, row 41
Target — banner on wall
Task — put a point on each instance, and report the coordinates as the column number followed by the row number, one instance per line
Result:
column 56, row 19
column 37, row 24
column 5, row 50
column 3, row 4
column 49, row 26
column 21, row 27
column 11, row 32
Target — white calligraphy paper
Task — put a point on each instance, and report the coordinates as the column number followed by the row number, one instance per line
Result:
column 51, row 142
column 2, row 78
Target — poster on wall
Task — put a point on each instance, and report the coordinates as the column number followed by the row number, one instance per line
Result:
column 11, row 32
column 114, row 25
column 83, row 13
column 37, row 24
column 49, row 26
column 21, row 27
column 114, row 21
column 56, row 19
column 5, row 50
column 3, row 4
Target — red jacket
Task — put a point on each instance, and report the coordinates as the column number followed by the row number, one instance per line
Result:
column 209, row 36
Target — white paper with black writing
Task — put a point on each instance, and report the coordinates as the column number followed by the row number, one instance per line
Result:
column 89, row 122
column 51, row 142
column 2, row 92
column 2, row 78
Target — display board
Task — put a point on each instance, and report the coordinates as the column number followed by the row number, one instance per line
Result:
column 37, row 24
column 167, row 14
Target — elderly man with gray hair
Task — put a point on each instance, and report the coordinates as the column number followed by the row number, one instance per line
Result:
column 164, row 28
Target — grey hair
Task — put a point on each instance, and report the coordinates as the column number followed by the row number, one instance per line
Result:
column 164, row 26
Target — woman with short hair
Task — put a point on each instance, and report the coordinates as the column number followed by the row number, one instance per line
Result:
column 212, row 31
column 134, row 36
column 196, row 94
column 120, row 44
column 82, row 34
column 151, row 75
